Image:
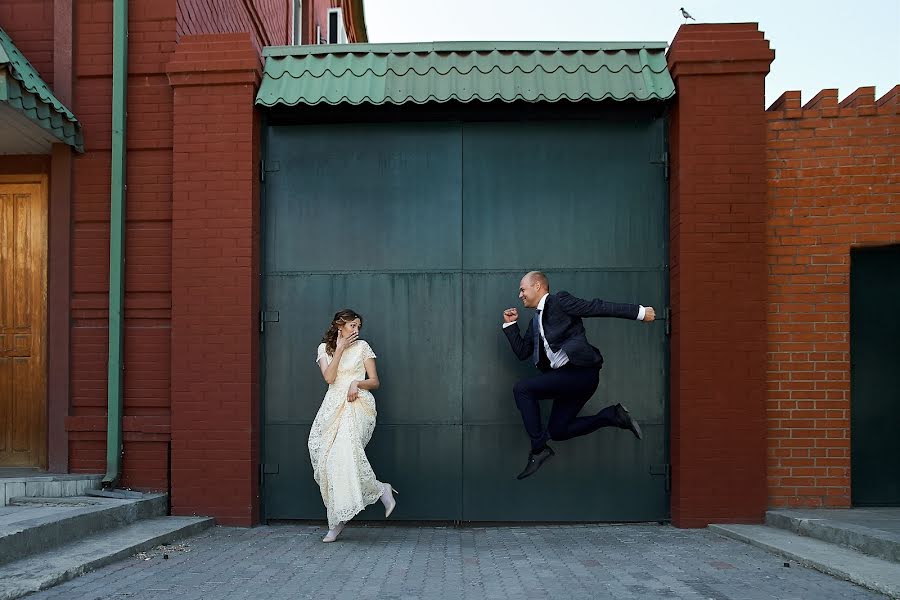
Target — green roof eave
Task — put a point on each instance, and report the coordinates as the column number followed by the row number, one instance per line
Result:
column 464, row 71
column 22, row 89
column 424, row 47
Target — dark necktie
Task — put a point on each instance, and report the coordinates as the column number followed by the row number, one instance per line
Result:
column 536, row 326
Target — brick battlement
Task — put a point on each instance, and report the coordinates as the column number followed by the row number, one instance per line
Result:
column 834, row 184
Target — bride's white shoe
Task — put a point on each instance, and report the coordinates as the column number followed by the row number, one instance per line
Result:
column 387, row 498
column 333, row 533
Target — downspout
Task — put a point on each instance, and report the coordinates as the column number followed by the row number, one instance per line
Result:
column 116, row 247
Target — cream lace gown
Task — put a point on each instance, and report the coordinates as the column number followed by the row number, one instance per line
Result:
column 338, row 439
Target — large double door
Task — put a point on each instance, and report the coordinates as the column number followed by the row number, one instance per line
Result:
column 425, row 229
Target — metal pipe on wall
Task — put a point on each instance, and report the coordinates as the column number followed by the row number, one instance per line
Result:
column 117, row 247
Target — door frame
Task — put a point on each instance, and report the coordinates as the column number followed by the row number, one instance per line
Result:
column 41, row 180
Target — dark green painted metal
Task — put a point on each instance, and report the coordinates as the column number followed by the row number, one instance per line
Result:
column 115, row 373
column 875, row 376
column 426, row 73
column 367, row 217
column 426, row 228
column 584, row 202
column 601, row 477
column 379, row 198
column 428, row 481
column 529, row 185
column 410, row 315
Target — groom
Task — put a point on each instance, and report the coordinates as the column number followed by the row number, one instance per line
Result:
column 570, row 367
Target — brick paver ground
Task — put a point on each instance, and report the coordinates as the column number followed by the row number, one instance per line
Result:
column 405, row 562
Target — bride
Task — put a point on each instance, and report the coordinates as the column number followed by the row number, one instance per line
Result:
column 344, row 425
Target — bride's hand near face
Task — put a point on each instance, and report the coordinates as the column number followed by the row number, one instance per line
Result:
column 330, row 368
column 342, row 342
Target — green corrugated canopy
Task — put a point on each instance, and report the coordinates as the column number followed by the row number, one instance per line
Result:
column 22, row 89
column 465, row 72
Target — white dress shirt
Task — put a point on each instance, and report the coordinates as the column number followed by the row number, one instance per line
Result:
column 558, row 359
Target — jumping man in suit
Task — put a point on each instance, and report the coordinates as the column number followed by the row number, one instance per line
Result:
column 570, row 366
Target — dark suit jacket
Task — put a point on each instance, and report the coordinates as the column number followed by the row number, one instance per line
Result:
column 563, row 328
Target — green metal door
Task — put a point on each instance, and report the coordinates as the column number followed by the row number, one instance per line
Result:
column 425, row 228
column 875, row 376
column 366, row 217
column 584, row 202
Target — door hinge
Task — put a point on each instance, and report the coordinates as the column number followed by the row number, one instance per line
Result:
column 668, row 316
column 267, row 469
column 267, row 316
column 664, row 470
column 664, row 162
column 272, row 167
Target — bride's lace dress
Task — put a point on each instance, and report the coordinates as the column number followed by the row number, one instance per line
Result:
column 338, row 439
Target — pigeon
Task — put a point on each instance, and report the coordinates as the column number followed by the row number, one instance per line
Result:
column 687, row 15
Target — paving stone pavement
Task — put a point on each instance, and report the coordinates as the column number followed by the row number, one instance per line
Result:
column 407, row 562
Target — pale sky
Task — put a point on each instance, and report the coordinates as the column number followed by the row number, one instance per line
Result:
column 818, row 44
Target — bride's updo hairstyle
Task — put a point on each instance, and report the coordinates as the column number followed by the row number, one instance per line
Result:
column 341, row 318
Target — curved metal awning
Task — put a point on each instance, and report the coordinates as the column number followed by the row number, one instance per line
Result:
column 464, row 72
column 31, row 117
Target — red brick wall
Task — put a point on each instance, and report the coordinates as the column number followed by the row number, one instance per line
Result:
column 153, row 28
column 718, row 286
column 267, row 21
column 30, row 25
column 834, row 184
column 147, row 248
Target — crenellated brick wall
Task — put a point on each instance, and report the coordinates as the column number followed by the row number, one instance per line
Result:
column 834, row 184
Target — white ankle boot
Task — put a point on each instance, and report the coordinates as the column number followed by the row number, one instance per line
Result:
column 387, row 498
column 333, row 533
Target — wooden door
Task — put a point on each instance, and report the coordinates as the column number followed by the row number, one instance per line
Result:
column 23, row 323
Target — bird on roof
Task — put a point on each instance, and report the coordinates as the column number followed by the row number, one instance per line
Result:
column 687, row 15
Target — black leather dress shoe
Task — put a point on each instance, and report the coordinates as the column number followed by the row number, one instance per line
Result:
column 535, row 461
column 626, row 421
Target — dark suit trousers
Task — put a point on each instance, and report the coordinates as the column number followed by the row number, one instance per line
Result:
column 570, row 387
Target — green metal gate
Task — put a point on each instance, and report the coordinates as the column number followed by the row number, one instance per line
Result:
column 426, row 228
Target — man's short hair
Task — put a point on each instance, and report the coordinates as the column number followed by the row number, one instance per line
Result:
column 541, row 277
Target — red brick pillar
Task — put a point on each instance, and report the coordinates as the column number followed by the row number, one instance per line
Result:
column 718, row 273
column 215, row 283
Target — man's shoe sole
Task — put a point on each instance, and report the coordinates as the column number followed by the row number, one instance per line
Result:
column 635, row 427
column 636, row 430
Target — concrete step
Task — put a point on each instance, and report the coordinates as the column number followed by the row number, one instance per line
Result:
column 867, row 571
column 37, row 484
column 29, row 526
column 833, row 526
column 52, row 567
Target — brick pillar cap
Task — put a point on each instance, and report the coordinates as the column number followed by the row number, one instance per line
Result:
column 214, row 59
column 716, row 48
